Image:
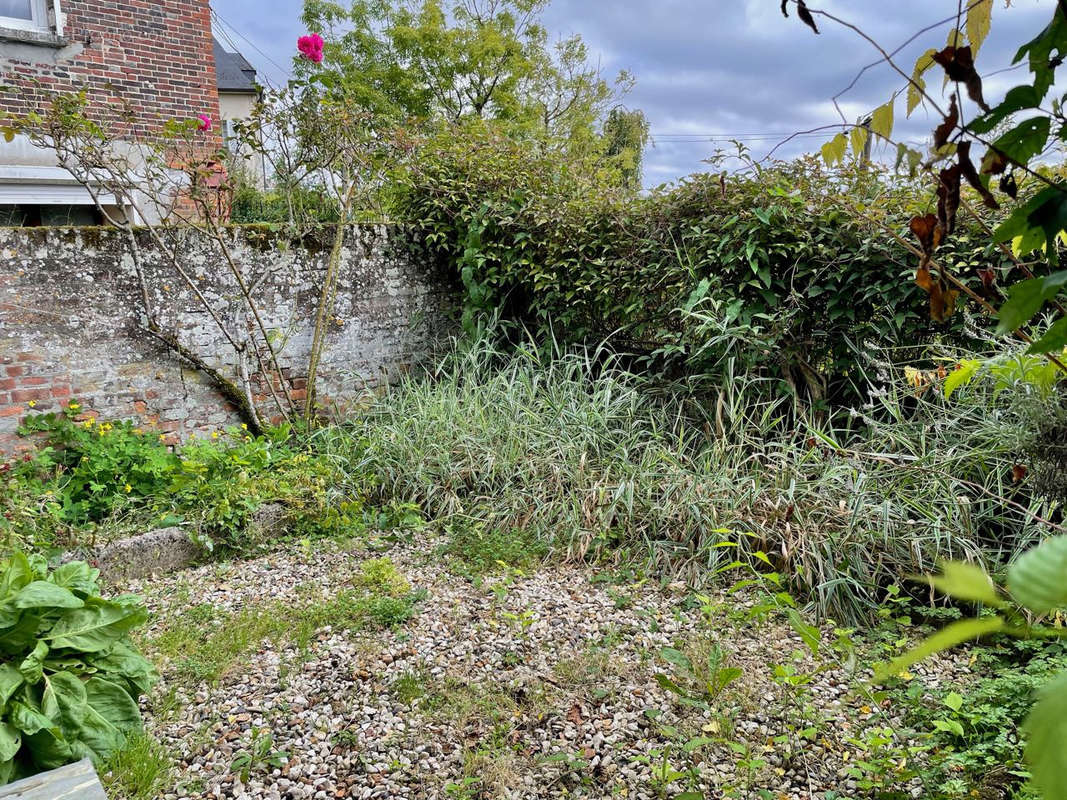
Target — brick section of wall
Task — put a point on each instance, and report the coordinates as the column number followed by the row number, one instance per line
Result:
column 155, row 56
column 69, row 321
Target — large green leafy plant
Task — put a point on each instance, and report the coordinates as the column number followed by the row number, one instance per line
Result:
column 70, row 676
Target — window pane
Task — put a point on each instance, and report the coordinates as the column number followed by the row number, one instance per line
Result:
column 20, row 9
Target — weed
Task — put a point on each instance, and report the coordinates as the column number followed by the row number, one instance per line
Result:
column 140, row 771
column 259, row 755
column 479, row 548
column 409, row 687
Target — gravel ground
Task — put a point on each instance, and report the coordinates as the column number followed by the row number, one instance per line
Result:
column 517, row 686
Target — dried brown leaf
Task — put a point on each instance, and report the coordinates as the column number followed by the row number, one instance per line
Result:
column 805, row 15
column 928, row 232
column 948, row 198
column 967, row 168
column 1009, row 186
column 958, row 63
column 945, row 129
column 995, row 162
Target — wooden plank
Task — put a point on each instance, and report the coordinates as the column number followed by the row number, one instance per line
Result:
column 74, row 782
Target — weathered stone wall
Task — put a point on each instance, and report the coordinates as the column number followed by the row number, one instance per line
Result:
column 71, row 320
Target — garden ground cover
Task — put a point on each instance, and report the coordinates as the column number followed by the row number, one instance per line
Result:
column 392, row 671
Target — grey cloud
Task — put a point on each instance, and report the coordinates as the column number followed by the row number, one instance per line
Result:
column 725, row 66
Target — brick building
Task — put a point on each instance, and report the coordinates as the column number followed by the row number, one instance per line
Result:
column 154, row 55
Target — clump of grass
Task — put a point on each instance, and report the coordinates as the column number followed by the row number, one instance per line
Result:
column 477, row 548
column 140, row 771
column 568, row 453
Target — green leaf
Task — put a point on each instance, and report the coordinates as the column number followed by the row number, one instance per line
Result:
column 1046, row 747
column 1026, row 299
column 676, row 657
column 1038, row 578
column 1017, row 99
column 955, row 634
column 1026, row 140
column 808, row 633
column 78, row 577
column 961, row 376
column 43, row 594
column 949, row 726
column 96, row 627
column 32, row 667
column 954, row 701
column 1040, row 49
column 966, row 582
column 669, row 685
column 10, row 681
column 10, row 741
column 1055, row 339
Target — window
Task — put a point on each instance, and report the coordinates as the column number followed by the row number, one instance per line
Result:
column 229, row 138
column 28, row 15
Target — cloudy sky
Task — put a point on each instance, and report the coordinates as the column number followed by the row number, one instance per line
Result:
column 712, row 70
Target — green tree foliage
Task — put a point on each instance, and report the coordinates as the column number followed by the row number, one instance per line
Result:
column 626, row 134
column 486, row 59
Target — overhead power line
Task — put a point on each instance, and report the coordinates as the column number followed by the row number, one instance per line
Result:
column 223, row 25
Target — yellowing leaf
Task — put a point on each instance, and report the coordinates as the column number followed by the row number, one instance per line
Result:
column 961, row 376
column 918, row 85
column 882, row 121
column 858, row 138
column 9, row 134
column 979, row 19
column 834, row 150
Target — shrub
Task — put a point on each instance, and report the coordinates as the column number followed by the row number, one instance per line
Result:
column 70, row 677
column 768, row 268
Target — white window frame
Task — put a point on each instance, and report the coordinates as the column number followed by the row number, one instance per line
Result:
column 45, row 15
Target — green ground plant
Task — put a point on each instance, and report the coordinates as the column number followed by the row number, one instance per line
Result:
column 70, row 677
column 140, row 771
column 203, row 643
column 88, row 480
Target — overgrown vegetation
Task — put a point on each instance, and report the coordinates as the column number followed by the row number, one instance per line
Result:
column 772, row 271
column 87, row 476
column 572, row 451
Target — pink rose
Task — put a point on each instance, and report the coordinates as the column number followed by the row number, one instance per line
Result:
column 203, row 122
column 311, row 47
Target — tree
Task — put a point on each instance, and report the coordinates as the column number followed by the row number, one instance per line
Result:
column 625, row 137
column 482, row 59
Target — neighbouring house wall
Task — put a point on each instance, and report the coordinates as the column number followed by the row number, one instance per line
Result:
column 151, row 60
column 157, row 56
column 70, row 317
column 238, row 106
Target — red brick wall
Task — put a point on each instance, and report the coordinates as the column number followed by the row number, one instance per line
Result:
column 154, row 55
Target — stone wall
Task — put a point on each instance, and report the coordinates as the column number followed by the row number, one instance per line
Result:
column 71, row 321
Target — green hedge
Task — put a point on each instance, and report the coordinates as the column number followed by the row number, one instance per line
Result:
column 770, row 267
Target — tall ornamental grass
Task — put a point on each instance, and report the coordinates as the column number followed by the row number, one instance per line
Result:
column 570, row 448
